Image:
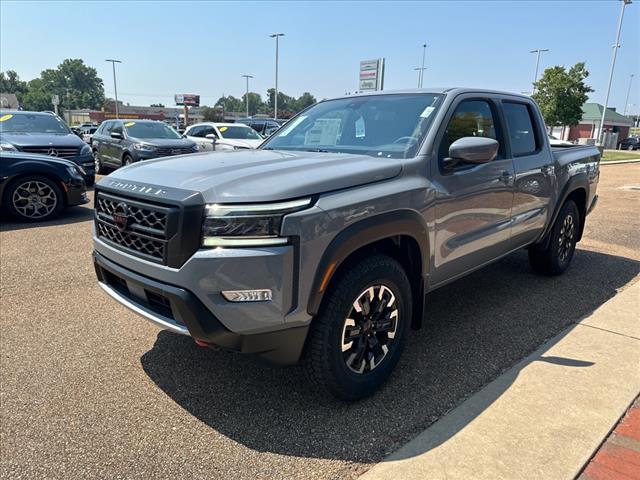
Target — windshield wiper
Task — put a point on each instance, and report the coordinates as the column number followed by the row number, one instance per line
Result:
column 317, row 150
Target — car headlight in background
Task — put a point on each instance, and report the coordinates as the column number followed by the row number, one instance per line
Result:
column 85, row 150
column 247, row 225
column 7, row 147
column 143, row 147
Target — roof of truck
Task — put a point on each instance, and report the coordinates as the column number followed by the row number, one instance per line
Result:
column 442, row 90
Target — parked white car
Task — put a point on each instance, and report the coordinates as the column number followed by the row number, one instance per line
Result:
column 227, row 136
column 556, row 142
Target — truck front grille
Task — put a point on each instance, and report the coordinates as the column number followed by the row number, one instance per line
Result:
column 60, row 152
column 147, row 230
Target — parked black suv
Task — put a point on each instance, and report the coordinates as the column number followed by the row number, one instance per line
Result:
column 631, row 143
column 37, row 187
column 123, row 142
column 45, row 133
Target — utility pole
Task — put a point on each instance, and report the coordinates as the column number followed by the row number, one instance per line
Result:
column 535, row 76
column 420, row 70
column 613, row 64
column 115, row 86
column 424, row 54
column 247, row 94
column 275, row 100
column 626, row 100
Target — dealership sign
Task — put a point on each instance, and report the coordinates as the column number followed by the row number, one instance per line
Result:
column 187, row 99
column 371, row 75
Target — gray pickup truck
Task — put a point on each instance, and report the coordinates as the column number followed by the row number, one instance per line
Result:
column 321, row 245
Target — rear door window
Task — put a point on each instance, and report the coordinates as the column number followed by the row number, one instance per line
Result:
column 521, row 128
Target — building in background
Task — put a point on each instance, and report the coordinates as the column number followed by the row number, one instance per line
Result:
column 616, row 125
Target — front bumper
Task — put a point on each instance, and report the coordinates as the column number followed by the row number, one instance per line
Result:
column 180, row 311
column 76, row 191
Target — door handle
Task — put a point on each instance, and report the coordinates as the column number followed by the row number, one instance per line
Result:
column 505, row 177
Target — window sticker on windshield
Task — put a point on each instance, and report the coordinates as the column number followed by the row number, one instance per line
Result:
column 360, row 132
column 6, row 117
column 291, row 125
column 223, row 129
column 324, row 132
column 129, row 124
column 427, row 111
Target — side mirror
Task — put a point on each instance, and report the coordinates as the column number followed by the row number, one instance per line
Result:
column 472, row 150
column 117, row 135
column 211, row 136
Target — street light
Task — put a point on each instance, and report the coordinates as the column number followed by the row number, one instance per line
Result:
column 421, row 75
column 275, row 109
column 626, row 100
column 115, row 87
column 537, row 51
column 247, row 95
column 613, row 64
column 419, row 70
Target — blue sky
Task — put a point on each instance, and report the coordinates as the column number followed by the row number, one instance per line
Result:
column 203, row 47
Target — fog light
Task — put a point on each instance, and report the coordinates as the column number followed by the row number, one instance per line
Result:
column 263, row 295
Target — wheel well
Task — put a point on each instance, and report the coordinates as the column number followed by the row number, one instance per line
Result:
column 406, row 251
column 45, row 175
column 579, row 197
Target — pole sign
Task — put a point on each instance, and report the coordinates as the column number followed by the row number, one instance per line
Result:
column 55, row 100
column 371, row 75
column 187, row 99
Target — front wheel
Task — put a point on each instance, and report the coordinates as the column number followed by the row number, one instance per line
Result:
column 34, row 199
column 556, row 258
column 127, row 160
column 357, row 338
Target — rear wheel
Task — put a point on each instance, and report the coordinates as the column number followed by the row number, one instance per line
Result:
column 557, row 256
column 127, row 160
column 358, row 336
column 34, row 199
column 100, row 168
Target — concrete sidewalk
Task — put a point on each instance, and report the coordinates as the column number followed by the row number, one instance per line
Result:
column 543, row 418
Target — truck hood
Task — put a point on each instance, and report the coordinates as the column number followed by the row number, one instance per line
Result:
column 42, row 139
column 242, row 176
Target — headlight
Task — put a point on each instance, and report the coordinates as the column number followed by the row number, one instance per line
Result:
column 247, row 225
column 86, row 149
column 144, row 147
column 76, row 170
column 7, row 147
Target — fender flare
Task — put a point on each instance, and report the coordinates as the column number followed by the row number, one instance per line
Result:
column 361, row 234
column 574, row 183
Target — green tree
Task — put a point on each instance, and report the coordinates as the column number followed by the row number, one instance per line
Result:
column 304, row 101
column 230, row 104
column 157, row 105
column 255, row 102
column 37, row 97
column 77, row 85
column 561, row 93
column 212, row 114
column 10, row 83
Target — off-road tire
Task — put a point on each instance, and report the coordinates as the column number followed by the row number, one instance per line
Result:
column 557, row 256
column 323, row 359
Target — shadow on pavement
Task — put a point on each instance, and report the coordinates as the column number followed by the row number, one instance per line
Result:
column 68, row 216
column 476, row 328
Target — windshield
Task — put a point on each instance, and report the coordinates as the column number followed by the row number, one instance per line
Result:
column 150, row 130
column 237, row 132
column 32, row 123
column 390, row 126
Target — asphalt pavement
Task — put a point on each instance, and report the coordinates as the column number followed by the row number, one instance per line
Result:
column 88, row 389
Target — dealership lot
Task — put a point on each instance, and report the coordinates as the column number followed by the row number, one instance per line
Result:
column 90, row 389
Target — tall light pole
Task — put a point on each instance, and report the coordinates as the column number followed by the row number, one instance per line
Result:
column 424, row 54
column 115, row 86
column 247, row 95
column 275, row 105
column 615, row 48
column 420, row 70
column 537, row 51
column 626, row 100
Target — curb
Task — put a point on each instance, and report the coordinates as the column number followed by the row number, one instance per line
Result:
column 619, row 162
column 568, row 395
